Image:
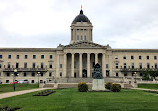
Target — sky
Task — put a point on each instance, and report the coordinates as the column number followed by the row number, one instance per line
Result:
column 125, row 24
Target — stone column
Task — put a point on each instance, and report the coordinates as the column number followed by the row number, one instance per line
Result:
column 88, row 64
column 96, row 58
column 65, row 65
column 103, row 65
column 72, row 64
column 80, row 67
column 57, row 66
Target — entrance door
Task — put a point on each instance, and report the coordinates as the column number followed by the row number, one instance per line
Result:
column 84, row 73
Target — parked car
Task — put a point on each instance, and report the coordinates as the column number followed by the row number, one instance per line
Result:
column 25, row 81
column 14, row 82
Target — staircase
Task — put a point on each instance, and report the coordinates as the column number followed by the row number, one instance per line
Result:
column 128, row 86
column 48, row 86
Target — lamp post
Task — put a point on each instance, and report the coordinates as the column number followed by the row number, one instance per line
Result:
column 135, row 74
column 14, row 77
column 38, row 74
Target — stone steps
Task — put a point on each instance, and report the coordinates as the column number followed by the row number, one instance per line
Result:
column 128, row 86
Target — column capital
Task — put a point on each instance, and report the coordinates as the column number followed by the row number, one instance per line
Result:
column 88, row 53
column 73, row 53
column 80, row 53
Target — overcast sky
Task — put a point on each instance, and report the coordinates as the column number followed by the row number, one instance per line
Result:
column 46, row 23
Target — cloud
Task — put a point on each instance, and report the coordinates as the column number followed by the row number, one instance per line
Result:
column 40, row 23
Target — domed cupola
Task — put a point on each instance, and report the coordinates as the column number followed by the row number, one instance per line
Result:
column 81, row 29
column 81, row 18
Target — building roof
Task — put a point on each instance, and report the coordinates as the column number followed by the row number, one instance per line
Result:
column 27, row 49
column 81, row 18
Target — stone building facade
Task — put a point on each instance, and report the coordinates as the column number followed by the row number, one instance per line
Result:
column 75, row 61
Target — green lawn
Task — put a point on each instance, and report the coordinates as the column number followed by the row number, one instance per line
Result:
column 148, row 86
column 9, row 87
column 72, row 100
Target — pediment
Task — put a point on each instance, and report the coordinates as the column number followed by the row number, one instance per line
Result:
column 84, row 44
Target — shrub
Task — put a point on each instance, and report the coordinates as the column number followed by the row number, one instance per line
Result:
column 82, row 87
column 108, row 85
column 115, row 87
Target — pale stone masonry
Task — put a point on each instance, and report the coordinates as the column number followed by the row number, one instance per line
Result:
column 75, row 60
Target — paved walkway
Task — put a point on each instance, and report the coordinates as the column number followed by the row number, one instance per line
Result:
column 10, row 94
column 145, row 89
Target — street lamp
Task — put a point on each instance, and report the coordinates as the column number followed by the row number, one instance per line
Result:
column 135, row 74
column 14, row 77
column 38, row 74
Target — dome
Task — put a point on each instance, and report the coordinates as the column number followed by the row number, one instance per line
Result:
column 81, row 18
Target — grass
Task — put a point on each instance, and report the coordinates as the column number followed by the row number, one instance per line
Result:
column 148, row 86
column 72, row 100
column 9, row 87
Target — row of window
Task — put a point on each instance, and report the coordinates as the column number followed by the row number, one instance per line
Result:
column 140, row 57
column 82, row 38
column 126, row 74
column 26, row 56
column 133, row 66
column 33, row 65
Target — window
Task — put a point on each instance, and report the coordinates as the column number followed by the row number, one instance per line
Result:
column 148, row 65
column 8, row 74
column 81, row 37
column 132, row 65
column 141, row 74
column 124, row 57
column 60, row 65
column 17, row 65
column 33, row 74
column 50, row 74
column 0, row 65
column 116, row 65
column 33, row 65
column 41, row 74
column 107, row 66
column 42, row 65
column 60, row 74
column 7, row 81
column 75, row 64
column 9, row 56
column 125, row 74
column 147, row 57
column 42, row 56
column 8, row 64
column 34, row 56
column 140, row 57
column 17, row 56
column 25, row 74
column 117, row 74
column 140, row 65
column 50, row 65
column 25, row 65
column 77, row 37
column 50, row 56
column 124, row 65
column 155, row 65
column 32, row 81
column 85, row 38
column 155, row 57
column 132, row 57
column 25, row 56
column 116, row 57
column 1, row 56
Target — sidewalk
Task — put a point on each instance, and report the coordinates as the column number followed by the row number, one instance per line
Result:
column 10, row 94
column 145, row 89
